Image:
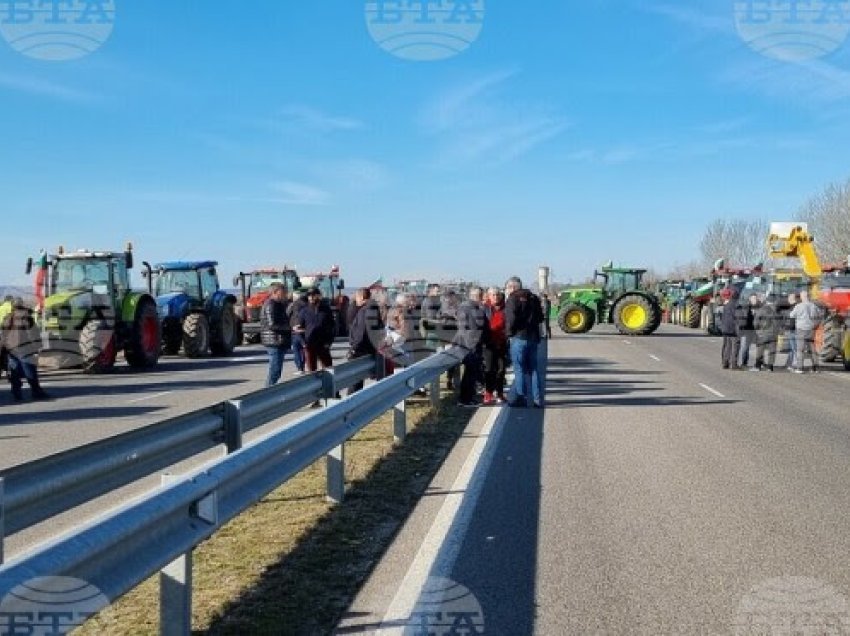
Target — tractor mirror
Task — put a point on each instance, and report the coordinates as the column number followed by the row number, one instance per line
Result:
column 340, row 285
column 29, row 266
column 296, row 282
column 128, row 259
column 236, row 281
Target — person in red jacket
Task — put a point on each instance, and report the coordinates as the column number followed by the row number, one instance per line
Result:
column 496, row 350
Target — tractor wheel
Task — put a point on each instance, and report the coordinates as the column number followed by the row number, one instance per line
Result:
column 226, row 335
column 845, row 347
column 635, row 315
column 196, row 335
column 143, row 347
column 693, row 314
column 658, row 316
column 97, row 347
column 830, row 339
column 575, row 318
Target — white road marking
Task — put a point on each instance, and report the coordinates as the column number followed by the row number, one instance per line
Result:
column 149, row 397
column 441, row 546
column 656, row 358
column 712, row 391
column 840, row 375
column 628, row 342
column 247, row 359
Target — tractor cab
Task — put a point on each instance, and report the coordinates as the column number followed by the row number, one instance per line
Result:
column 619, row 280
column 254, row 289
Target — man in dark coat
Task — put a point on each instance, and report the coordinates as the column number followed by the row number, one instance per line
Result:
column 22, row 340
column 365, row 329
column 317, row 321
column 275, row 331
column 730, row 329
column 523, row 317
column 768, row 324
column 471, row 336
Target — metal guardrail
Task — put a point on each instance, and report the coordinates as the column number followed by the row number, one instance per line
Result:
column 44, row 488
column 158, row 532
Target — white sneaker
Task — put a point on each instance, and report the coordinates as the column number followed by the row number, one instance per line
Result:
column 296, row 373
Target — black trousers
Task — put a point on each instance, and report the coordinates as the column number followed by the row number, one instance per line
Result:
column 471, row 375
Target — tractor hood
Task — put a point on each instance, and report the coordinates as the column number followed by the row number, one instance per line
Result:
column 258, row 299
column 56, row 313
column 174, row 304
column 65, row 298
column 705, row 292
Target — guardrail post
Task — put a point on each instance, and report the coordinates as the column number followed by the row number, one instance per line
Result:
column 336, row 474
column 400, row 418
column 233, row 425
column 434, row 392
column 380, row 367
column 2, row 519
column 328, row 384
column 175, row 591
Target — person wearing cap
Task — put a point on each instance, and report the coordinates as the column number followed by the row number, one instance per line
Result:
column 317, row 322
column 22, row 340
column 729, row 329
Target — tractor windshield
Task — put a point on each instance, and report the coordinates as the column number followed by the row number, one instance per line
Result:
column 80, row 274
column 261, row 281
column 178, row 282
column 622, row 281
column 324, row 283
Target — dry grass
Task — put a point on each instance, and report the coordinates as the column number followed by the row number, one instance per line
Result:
column 293, row 563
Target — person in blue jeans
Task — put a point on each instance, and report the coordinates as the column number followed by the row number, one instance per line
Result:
column 275, row 331
column 298, row 343
column 523, row 317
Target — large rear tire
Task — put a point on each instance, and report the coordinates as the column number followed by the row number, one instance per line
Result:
column 97, row 347
column 196, row 335
column 145, row 342
column 693, row 314
column 830, row 340
column 226, row 335
column 574, row 318
column 636, row 315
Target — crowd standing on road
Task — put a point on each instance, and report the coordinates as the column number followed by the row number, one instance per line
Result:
column 758, row 320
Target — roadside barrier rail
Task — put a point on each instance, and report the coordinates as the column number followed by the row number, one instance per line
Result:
column 159, row 531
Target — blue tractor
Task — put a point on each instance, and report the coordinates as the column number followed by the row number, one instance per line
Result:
column 195, row 313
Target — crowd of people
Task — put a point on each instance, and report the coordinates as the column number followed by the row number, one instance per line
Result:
column 759, row 322
column 492, row 330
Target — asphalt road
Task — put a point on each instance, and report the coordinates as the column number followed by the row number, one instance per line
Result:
column 656, row 494
column 87, row 408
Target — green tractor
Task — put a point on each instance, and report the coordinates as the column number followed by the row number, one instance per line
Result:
column 90, row 313
column 616, row 297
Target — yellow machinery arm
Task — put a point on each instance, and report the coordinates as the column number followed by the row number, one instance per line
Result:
column 792, row 240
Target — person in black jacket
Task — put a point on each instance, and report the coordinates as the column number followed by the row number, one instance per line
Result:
column 317, row 321
column 275, row 331
column 365, row 329
column 768, row 325
column 523, row 317
column 472, row 327
column 747, row 328
column 730, row 330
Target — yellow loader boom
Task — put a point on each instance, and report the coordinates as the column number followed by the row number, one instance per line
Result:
column 792, row 240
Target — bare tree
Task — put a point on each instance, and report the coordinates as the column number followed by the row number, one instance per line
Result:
column 828, row 216
column 740, row 242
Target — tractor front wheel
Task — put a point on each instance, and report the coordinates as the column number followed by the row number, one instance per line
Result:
column 227, row 332
column 144, row 346
column 693, row 314
column 635, row 315
column 97, row 347
column 196, row 335
column 575, row 318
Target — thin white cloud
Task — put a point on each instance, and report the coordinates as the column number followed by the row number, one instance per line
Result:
column 45, row 88
column 361, row 175
column 476, row 122
column 295, row 193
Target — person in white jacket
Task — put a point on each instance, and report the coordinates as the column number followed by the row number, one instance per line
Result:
column 807, row 317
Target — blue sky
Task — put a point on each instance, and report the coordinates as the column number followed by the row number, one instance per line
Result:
column 280, row 132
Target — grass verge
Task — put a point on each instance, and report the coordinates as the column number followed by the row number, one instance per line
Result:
column 293, row 562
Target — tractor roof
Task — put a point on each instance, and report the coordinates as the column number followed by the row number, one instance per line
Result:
column 185, row 265
column 87, row 254
column 273, row 270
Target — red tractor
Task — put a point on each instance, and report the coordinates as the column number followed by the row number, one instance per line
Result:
column 834, row 296
column 332, row 287
column 254, row 290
